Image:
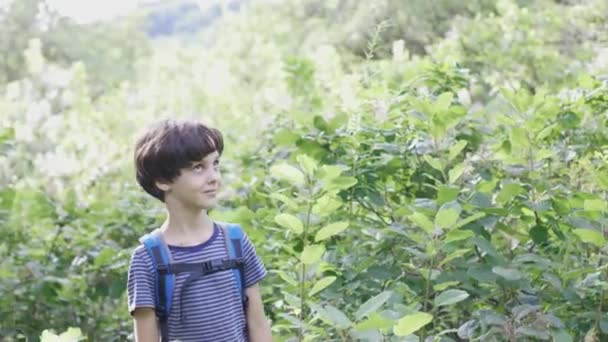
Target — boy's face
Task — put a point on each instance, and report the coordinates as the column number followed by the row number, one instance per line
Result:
column 197, row 186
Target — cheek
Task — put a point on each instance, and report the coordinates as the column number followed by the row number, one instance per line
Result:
column 188, row 182
column 217, row 175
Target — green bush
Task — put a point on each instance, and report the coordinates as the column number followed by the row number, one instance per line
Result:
column 394, row 192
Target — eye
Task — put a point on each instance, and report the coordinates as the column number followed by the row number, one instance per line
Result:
column 197, row 167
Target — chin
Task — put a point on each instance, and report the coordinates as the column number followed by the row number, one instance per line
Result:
column 209, row 205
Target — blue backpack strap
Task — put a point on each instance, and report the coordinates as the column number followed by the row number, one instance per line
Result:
column 234, row 244
column 165, row 283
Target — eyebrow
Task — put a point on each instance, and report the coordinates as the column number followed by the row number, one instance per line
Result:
column 204, row 161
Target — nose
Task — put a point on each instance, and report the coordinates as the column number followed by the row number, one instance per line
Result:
column 214, row 176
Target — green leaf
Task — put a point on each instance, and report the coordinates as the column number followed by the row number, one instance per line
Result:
column 285, row 137
column 48, row 336
column 287, row 278
column 321, row 285
column 444, row 101
column 594, row 205
column 507, row 273
column 455, row 173
column 329, row 172
column 288, row 173
column 446, row 194
column 486, row 247
column 590, row 236
column 509, row 191
column 450, row 297
column 487, row 187
column 457, row 235
column 422, row 221
column 561, row 336
column 340, row 183
column 7, row 133
column 601, row 178
column 544, row 154
column 320, row 123
column 539, row 234
column 70, row 335
column 312, row 254
column 434, row 162
column 519, row 138
column 331, row 230
column 289, row 221
column 480, row 200
column 282, row 198
column 375, row 321
column 409, row 324
column 482, row 274
column 372, row 304
column 454, row 255
column 469, row 219
column 105, row 257
column 307, row 164
column 448, row 215
column 337, row 317
column 443, row 286
column 326, row 205
column 456, row 149
column 604, row 324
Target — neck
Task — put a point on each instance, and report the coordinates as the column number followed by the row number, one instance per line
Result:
column 186, row 221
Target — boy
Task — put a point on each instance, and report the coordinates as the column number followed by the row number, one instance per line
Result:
column 177, row 162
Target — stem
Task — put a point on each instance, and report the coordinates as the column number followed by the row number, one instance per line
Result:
column 302, row 294
column 603, row 295
column 54, row 242
column 599, row 310
column 354, row 171
column 427, row 291
column 303, row 266
column 371, row 209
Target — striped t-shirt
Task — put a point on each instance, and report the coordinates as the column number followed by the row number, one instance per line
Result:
column 210, row 308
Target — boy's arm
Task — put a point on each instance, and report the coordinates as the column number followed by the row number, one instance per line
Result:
column 257, row 324
column 145, row 328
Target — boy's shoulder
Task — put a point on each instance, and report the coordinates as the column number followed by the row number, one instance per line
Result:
column 227, row 230
column 141, row 257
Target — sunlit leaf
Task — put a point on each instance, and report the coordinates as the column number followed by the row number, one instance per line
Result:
column 375, row 321
column 448, row 215
column 422, row 221
column 590, row 236
column 507, row 273
column 450, row 297
column 307, row 163
column 321, row 284
column 372, row 304
column 312, row 254
column 289, row 221
column 456, row 149
column 288, row 173
column 434, row 162
column 409, row 324
column 330, row 230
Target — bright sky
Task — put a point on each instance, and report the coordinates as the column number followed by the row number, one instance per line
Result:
column 93, row 10
column 85, row 11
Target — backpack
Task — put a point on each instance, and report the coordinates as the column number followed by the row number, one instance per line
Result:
column 166, row 270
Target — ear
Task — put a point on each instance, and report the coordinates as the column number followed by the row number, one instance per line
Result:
column 163, row 185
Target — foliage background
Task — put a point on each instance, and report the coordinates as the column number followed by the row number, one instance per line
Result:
column 408, row 171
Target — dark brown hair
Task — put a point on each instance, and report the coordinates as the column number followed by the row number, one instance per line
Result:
column 169, row 146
